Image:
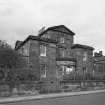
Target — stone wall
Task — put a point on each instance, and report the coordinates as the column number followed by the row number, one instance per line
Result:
column 50, row 83
column 34, row 57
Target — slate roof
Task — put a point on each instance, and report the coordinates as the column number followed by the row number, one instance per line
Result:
column 31, row 37
column 54, row 28
column 82, row 47
column 98, row 59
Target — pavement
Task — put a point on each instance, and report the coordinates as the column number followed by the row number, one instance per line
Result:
column 46, row 96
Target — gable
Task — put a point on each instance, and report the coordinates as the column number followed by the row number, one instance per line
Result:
column 59, row 28
column 62, row 28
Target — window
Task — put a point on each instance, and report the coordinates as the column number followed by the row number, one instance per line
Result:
column 69, row 69
column 43, row 69
column 42, row 50
column 84, row 70
column 62, row 52
column 60, row 71
column 63, row 69
column 47, row 36
column 26, row 59
column 25, row 51
column 85, row 56
column 62, row 40
column 20, row 51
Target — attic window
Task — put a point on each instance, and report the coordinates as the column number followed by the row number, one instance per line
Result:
column 62, row 40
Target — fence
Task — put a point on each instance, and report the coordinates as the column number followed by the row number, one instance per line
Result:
column 25, row 82
column 80, row 85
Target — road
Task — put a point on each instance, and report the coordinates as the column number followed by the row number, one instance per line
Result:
column 90, row 99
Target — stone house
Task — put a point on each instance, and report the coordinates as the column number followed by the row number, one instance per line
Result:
column 84, row 58
column 99, row 62
column 52, row 54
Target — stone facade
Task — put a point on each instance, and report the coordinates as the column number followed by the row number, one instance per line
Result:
column 99, row 62
column 44, row 66
column 84, row 58
column 52, row 54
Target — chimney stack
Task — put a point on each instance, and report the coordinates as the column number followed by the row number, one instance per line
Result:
column 100, row 52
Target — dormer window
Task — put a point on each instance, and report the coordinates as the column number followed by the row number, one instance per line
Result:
column 42, row 50
column 62, row 40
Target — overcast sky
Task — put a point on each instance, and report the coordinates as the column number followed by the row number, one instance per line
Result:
column 20, row 18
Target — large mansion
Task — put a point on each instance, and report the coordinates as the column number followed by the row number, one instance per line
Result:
column 52, row 55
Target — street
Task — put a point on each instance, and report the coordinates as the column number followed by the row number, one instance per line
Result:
column 89, row 99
